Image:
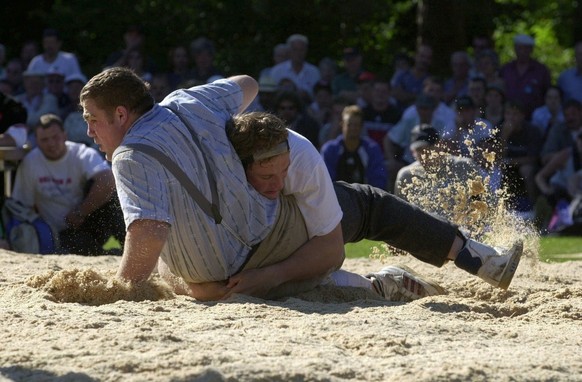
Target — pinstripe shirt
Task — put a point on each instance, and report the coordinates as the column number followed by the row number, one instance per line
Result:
column 197, row 249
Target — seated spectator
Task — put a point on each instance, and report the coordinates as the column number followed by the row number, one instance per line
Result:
column 487, row 67
column 365, row 89
column 320, row 108
column 520, row 144
column 203, row 53
column 570, row 80
column 52, row 58
column 280, row 53
column 380, row 115
column 36, row 101
column 72, row 188
column 401, row 63
column 55, row 85
column 494, row 104
column 559, row 180
column 397, row 142
column 346, row 83
column 457, row 84
column 28, row 51
column 351, row 157
column 433, row 170
column 561, row 135
column 550, row 114
column 472, row 136
column 75, row 125
column 13, row 128
column 160, row 86
column 133, row 38
column 289, row 107
column 14, row 76
column 135, row 60
column 333, row 127
column 327, row 71
column 180, row 71
column 408, row 85
column 476, row 89
column 303, row 74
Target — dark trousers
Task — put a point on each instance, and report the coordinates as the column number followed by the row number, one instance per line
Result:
column 88, row 239
column 374, row 214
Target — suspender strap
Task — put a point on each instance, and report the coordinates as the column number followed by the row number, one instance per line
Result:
column 211, row 209
column 196, row 140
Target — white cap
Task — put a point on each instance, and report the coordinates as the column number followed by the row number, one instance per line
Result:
column 523, row 39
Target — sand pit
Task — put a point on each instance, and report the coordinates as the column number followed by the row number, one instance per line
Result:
column 531, row 332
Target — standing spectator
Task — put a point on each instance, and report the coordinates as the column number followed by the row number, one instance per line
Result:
column 561, row 135
column 380, row 116
column 401, row 63
column 52, row 58
column 480, row 43
column 409, row 83
column 180, row 71
column 281, row 52
column 290, row 108
column 351, row 157
column 550, row 114
column 570, row 80
column 72, row 188
column 457, row 84
column 297, row 69
column 36, row 101
column 494, row 104
column 520, row 144
column 203, row 53
column 526, row 79
column 345, row 84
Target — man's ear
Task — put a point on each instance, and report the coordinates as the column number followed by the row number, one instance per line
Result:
column 121, row 115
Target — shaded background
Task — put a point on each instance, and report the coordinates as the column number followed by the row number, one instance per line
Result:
column 245, row 31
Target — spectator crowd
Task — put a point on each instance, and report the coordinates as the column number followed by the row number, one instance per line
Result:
column 506, row 120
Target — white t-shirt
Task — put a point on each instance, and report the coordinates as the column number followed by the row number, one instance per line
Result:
column 56, row 187
column 309, row 181
column 65, row 63
column 305, row 80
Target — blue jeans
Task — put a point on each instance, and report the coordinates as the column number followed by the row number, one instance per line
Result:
column 374, row 214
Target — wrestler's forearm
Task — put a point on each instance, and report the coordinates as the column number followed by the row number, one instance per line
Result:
column 318, row 257
column 143, row 244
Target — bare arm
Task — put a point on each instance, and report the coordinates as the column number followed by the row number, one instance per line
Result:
column 542, row 176
column 100, row 193
column 249, row 86
column 143, row 244
column 318, row 257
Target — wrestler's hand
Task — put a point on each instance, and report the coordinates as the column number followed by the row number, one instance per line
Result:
column 209, row 291
column 252, row 282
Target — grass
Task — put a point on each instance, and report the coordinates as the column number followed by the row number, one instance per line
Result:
column 552, row 248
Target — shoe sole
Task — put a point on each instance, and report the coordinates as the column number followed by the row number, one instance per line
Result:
column 511, row 266
column 423, row 281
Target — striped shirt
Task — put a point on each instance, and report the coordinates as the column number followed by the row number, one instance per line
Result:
column 197, row 249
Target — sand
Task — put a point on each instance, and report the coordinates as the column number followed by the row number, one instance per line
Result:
column 106, row 331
